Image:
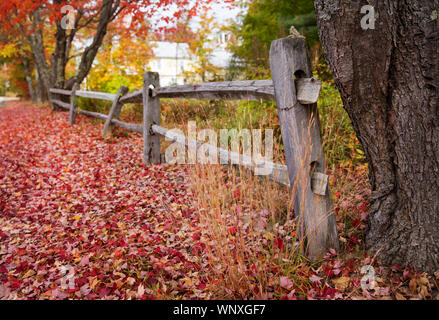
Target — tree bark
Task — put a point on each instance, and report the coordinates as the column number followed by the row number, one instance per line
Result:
column 28, row 75
column 388, row 80
column 40, row 90
column 35, row 40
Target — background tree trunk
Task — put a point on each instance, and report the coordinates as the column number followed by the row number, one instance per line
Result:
column 53, row 76
column 388, row 80
column 40, row 90
column 28, row 75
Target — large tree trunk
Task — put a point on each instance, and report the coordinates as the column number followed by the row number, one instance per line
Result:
column 388, row 80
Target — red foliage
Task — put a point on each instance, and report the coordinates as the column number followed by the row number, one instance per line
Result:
column 68, row 198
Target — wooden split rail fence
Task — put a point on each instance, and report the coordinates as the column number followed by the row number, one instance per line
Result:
column 295, row 92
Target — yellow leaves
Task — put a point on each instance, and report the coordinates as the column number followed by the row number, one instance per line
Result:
column 421, row 286
column 8, row 50
column 412, row 285
column 29, row 273
column 94, row 283
column 268, row 236
column 159, row 228
column 119, row 283
column 47, row 294
column 399, row 296
column 187, row 282
column 341, row 283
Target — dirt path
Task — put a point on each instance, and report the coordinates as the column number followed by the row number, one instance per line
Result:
column 71, row 201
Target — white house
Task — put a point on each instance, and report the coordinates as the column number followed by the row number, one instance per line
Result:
column 171, row 59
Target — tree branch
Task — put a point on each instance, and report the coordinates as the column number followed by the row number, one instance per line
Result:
column 89, row 54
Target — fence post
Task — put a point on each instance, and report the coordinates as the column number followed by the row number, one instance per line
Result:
column 151, row 116
column 114, row 113
column 300, row 128
column 72, row 114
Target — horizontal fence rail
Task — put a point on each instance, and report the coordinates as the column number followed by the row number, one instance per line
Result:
column 85, row 94
column 279, row 172
column 254, row 90
column 125, row 125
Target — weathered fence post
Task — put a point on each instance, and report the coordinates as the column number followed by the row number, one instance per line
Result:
column 151, row 116
column 300, row 128
column 115, row 110
column 72, row 114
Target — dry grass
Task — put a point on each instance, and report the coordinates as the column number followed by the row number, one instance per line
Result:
column 248, row 227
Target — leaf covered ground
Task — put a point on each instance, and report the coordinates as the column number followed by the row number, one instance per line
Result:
column 82, row 218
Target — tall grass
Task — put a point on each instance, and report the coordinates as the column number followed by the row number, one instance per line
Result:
column 249, row 232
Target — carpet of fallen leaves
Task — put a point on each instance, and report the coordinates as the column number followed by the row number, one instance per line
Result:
column 82, row 218
column 73, row 206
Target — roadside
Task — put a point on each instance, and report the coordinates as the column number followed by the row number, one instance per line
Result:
column 6, row 99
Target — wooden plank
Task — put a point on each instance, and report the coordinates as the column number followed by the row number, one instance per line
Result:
column 279, row 173
column 133, row 97
column 73, row 111
column 60, row 103
column 308, row 90
column 128, row 126
column 151, row 116
column 114, row 111
column 254, row 90
column 300, row 130
column 96, row 95
column 60, row 91
column 125, row 125
column 93, row 114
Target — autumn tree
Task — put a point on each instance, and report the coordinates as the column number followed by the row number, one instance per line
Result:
column 121, row 60
column 34, row 19
column 384, row 58
column 268, row 20
column 201, row 47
